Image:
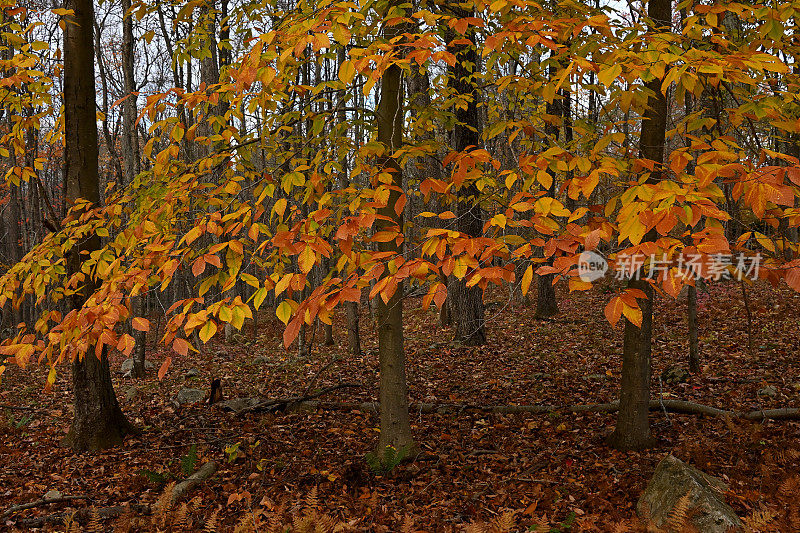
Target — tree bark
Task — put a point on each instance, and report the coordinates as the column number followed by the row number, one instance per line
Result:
column 467, row 302
column 633, row 427
column 694, row 345
column 395, row 425
column 546, row 304
column 98, row 421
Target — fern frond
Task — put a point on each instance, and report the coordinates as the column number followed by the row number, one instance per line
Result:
column 211, row 523
column 504, row 523
column 759, row 519
column 678, row 515
column 162, row 506
column 94, row 525
column 180, row 518
column 312, row 500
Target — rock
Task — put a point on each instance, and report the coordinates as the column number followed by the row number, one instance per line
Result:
column 52, row 495
column 189, row 396
column 191, row 373
column 127, row 365
column 237, row 405
column 675, row 374
column 261, row 360
column 131, row 393
column 706, row 509
column 768, row 391
column 597, row 376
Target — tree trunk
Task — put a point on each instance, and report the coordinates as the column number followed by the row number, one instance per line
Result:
column 98, row 421
column 694, row 347
column 467, row 302
column 546, row 304
column 353, row 334
column 395, row 426
column 633, row 427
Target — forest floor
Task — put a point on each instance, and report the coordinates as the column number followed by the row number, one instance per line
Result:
column 473, row 466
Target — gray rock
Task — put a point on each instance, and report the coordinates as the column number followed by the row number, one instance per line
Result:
column 237, row 405
column 261, row 360
column 597, row 376
column 52, row 495
column 131, row 393
column 189, row 396
column 707, row 510
column 768, row 391
column 191, row 373
column 127, row 365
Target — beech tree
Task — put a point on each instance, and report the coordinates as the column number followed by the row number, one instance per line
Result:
column 98, row 420
column 283, row 178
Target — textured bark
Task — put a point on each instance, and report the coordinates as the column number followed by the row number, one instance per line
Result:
column 694, row 345
column 466, row 302
column 633, row 427
column 98, row 422
column 546, row 304
column 395, row 426
column 353, row 334
column 130, row 137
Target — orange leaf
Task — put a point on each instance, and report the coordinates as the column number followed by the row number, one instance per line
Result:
column 291, row 331
column 164, row 367
column 613, row 310
column 141, row 324
column 181, row 346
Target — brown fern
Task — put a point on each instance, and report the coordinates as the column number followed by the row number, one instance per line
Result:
column 759, row 520
column 211, row 523
column 677, row 519
column 504, row 523
column 94, row 525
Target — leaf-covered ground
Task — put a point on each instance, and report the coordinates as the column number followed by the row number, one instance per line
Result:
column 472, row 466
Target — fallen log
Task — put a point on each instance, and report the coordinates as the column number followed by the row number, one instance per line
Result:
column 672, row 406
column 41, row 503
column 202, row 474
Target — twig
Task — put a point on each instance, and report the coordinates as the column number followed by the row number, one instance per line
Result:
column 318, row 374
column 281, row 403
column 41, row 503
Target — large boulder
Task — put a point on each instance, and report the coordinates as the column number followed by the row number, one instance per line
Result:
column 706, row 509
column 189, row 396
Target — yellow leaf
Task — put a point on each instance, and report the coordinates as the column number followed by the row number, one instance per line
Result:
column 208, row 330
column 460, row 268
column 526, row 279
column 608, row 75
column 284, row 312
column 347, row 71
column 280, row 207
column 306, row 259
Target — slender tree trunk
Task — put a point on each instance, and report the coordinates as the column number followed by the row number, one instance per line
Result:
column 467, row 302
column 546, row 304
column 691, row 297
column 694, row 346
column 395, row 425
column 98, row 421
column 633, row 426
column 353, row 334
